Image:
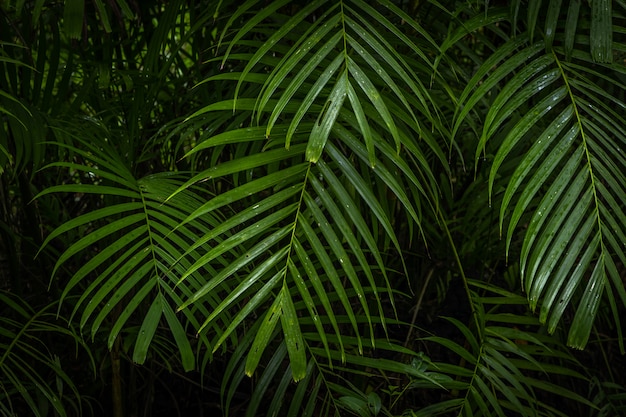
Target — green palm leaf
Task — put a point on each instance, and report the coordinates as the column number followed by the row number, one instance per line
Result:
column 25, row 361
column 137, row 234
column 296, row 233
column 570, row 176
column 497, row 374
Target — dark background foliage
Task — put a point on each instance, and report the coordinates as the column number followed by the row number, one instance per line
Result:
column 312, row 208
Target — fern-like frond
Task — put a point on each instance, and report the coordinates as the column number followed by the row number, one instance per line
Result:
column 134, row 229
column 505, row 372
column 563, row 118
column 26, row 360
column 302, row 190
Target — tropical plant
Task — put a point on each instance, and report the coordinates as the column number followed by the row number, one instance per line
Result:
column 27, row 363
column 290, row 194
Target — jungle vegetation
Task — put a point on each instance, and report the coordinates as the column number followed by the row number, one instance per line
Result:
column 312, row 208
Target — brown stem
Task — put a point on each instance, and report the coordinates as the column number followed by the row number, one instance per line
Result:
column 417, row 307
column 116, row 380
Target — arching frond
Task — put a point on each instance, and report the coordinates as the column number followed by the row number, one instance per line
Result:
column 25, row 361
column 564, row 118
column 496, row 376
column 308, row 220
column 134, row 228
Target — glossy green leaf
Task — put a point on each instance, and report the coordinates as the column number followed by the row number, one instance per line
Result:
column 293, row 336
column 571, row 25
column 147, row 331
column 326, row 119
column 311, row 41
column 554, row 7
column 260, row 296
column 264, row 334
column 601, row 35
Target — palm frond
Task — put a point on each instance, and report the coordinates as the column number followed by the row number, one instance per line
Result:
column 26, row 358
column 135, row 229
column 317, row 177
column 325, row 386
column 609, row 398
column 297, row 222
column 505, row 371
column 570, row 177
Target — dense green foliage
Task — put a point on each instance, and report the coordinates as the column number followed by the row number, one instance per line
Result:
column 312, row 208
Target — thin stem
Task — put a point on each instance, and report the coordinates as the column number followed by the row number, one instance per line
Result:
column 418, row 306
column 463, row 277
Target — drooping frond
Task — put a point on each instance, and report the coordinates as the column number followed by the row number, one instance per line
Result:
column 563, row 116
column 303, row 188
column 495, row 376
column 138, row 229
column 25, row 360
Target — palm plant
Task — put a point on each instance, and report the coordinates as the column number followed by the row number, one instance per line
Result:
column 568, row 181
column 306, row 173
column 26, row 362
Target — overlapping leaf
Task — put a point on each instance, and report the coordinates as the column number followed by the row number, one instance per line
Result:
column 25, row 361
column 288, row 243
column 324, row 385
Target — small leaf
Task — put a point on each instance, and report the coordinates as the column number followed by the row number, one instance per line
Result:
column 147, row 331
column 73, row 18
column 326, row 119
column 601, row 36
column 264, row 334
column 293, row 336
column 552, row 19
column 570, row 27
column 588, row 307
column 180, row 336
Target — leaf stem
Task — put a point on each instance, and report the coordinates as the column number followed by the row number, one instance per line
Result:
column 463, row 276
